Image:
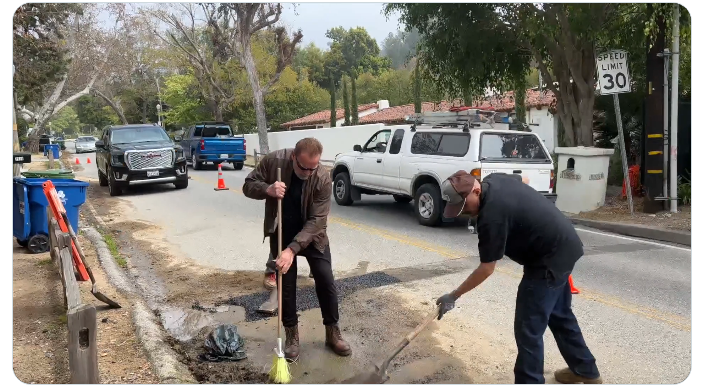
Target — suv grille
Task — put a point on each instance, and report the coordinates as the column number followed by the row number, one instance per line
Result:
column 142, row 160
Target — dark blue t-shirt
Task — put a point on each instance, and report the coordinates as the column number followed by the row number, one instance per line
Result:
column 517, row 221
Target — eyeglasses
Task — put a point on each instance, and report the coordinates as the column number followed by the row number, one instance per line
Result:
column 304, row 168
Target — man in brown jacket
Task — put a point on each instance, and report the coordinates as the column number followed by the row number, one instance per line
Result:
column 306, row 193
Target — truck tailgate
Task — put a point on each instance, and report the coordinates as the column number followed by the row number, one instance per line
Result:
column 539, row 174
column 226, row 145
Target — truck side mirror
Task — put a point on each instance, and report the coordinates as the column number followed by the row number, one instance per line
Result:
column 99, row 144
column 357, row 148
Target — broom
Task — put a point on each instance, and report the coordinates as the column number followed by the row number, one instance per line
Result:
column 280, row 372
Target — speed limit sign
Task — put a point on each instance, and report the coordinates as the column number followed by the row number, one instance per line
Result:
column 613, row 72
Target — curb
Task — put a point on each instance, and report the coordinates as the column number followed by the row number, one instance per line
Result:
column 633, row 230
column 163, row 359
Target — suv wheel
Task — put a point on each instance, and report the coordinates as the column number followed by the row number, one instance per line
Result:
column 428, row 204
column 112, row 184
column 342, row 189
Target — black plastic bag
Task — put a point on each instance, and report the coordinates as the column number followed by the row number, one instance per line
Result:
column 224, row 344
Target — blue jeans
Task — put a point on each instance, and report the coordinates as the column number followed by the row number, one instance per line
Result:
column 544, row 299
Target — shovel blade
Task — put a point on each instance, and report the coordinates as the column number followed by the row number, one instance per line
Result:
column 102, row 298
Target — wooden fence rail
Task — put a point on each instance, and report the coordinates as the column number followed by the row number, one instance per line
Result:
column 82, row 318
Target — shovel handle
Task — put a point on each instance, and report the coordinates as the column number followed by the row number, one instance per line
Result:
column 405, row 341
column 75, row 243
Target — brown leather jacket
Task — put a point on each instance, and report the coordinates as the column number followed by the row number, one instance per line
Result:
column 316, row 198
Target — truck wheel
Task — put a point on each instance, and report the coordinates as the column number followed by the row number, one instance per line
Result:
column 342, row 189
column 38, row 243
column 183, row 184
column 402, row 199
column 197, row 165
column 428, row 204
column 238, row 165
column 102, row 179
column 112, row 184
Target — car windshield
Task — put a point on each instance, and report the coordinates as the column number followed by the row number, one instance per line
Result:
column 138, row 135
column 85, row 139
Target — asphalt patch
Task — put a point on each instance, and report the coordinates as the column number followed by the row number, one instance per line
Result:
column 307, row 296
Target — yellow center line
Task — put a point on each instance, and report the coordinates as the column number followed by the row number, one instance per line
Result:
column 674, row 320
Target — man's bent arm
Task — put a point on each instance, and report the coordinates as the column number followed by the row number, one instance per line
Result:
column 478, row 276
column 256, row 183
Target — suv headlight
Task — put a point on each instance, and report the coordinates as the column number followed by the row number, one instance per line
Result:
column 117, row 160
column 179, row 153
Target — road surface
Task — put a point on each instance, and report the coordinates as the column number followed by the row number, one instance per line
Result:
column 634, row 307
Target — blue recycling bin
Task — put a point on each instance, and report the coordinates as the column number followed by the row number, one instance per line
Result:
column 29, row 220
column 53, row 148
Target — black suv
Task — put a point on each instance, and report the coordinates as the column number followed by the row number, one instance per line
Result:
column 138, row 154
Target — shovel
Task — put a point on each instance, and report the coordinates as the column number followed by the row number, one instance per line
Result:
column 98, row 295
column 379, row 374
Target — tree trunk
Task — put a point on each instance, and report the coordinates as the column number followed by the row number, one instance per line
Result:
column 417, row 89
column 114, row 107
column 144, row 107
column 345, row 97
column 332, row 123
column 259, row 106
column 354, row 102
column 520, row 99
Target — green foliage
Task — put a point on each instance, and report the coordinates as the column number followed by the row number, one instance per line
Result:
column 66, row 121
column 417, row 89
column 91, row 111
column 182, row 93
column 333, row 106
column 684, row 191
column 345, row 96
column 311, row 59
column 354, row 103
column 38, row 52
column 520, row 100
column 292, row 99
column 400, row 47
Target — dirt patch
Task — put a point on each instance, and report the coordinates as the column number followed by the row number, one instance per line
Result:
column 616, row 209
column 234, row 372
column 67, row 160
column 40, row 332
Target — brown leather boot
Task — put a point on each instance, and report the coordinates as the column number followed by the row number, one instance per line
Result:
column 292, row 343
column 334, row 341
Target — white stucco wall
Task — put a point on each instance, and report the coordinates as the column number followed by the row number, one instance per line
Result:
column 546, row 128
column 334, row 140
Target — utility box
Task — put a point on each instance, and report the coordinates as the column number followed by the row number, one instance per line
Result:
column 581, row 182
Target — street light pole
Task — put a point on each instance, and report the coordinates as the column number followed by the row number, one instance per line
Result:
column 160, row 105
column 674, row 113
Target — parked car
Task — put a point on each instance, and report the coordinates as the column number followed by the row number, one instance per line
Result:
column 410, row 162
column 139, row 154
column 85, row 144
column 213, row 142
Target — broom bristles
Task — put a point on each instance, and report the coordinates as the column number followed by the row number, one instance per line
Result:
column 280, row 371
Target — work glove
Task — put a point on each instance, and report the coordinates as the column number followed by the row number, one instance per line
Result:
column 446, row 303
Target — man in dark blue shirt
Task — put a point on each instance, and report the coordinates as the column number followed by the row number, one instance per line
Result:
column 516, row 221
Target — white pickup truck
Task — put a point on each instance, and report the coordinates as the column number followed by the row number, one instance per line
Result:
column 409, row 163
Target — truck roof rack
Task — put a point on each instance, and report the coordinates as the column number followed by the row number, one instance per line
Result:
column 465, row 119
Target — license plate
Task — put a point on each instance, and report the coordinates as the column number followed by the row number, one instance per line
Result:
column 223, row 156
column 151, row 174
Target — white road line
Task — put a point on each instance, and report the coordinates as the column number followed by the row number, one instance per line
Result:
column 636, row 239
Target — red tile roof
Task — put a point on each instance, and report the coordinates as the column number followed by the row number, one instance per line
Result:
column 324, row 116
column 397, row 114
column 505, row 102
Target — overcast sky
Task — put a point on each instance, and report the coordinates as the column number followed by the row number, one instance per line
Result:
column 316, row 18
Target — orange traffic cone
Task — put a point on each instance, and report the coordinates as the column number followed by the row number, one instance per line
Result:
column 573, row 290
column 88, row 160
column 77, row 161
column 220, row 180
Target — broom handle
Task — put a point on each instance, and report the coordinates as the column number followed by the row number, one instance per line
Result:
column 280, row 251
